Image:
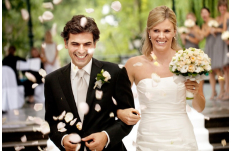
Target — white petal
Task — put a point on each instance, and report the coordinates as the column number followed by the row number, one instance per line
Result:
column 40, row 149
column 17, row 148
column 48, row 5
column 60, row 47
column 73, row 121
column 45, row 128
column 62, row 130
column 7, row 3
column 38, row 120
column 25, row 14
column 56, row 2
column 97, row 107
column 34, row 85
column 16, row 112
column 68, row 117
column 223, row 142
column 40, row 19
column 43, row 80
column 121, row 66
column 42, row 72
column 207, row 118
column 79, row 126
column 83, row 21
column 98, row 94
column 47, row 16
column 62, row 115
column 138, row 64
column 44, row 45
column 188, row 108
column 38, row 106
column 91, row 50
column 83, row 107
column 34, row 143
column 55, row 118
column 30, row 77
column 116, row 6
column 61, row 125
column 74, row 138
column 114, row 101
column 23, row 138
column 111, row 114
column 89, row 10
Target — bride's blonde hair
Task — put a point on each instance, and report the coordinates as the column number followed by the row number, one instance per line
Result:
column 156, row 16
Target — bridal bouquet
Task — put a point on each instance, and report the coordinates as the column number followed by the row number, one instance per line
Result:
column 183, row 30
column 192, row 64
column 189, row 23
column 225, row 35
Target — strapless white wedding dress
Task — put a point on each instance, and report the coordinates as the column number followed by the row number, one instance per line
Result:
column 164, row 124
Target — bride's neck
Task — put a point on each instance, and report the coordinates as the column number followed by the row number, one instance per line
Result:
column 164, row 57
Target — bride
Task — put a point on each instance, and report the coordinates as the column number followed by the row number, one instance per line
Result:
column 164, row 124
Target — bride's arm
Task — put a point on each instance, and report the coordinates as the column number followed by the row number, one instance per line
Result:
column 129, row 116
column 198, row 102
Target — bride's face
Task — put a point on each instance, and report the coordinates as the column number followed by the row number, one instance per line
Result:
column 162, row 35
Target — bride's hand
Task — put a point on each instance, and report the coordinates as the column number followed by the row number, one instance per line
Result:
column 129, row 116
column 192, row 86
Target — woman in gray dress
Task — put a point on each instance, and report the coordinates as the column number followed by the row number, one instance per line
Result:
column 214, row 51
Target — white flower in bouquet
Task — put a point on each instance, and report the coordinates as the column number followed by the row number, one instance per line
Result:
column 182, row 30
column 225, row 35
column 190, row 64
column 213, row 23
column 189, row 23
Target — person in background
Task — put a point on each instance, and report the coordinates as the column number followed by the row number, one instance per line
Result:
column 11, row 61
column 50, row 54
column 193, row 38
column 29, row 91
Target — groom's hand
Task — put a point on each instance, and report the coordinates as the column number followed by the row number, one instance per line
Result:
column 96, row 141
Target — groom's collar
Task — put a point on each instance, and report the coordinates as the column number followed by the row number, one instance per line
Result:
column 75, row 69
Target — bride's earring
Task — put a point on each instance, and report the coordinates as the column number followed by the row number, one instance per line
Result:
column 149, row 37
column 174, row 37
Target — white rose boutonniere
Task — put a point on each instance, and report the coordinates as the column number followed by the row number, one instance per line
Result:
column 102, row 78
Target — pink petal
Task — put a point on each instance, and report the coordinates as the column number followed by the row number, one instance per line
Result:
column 83, row 107
column 47, row 16
column 91, row 50
column 111, row 114
column 18, row 148
column 114, row 101
column 68, row 117
column 116, row 6
column 97, row 107
column 138, row 64
column 74, row 138
column 30, row 77
column 73, row 122
column 62, row 130
column 38, row 120
column 83, row 21
column 89, row 10
column 55, row 118
column 79, row 126
column 7, row 3
column 23, row 138
column 16, row 112
column 34, row 142
column 45, row 128
column 61, row 125
column 25, row 14
column 62, row 115
column 31, row 118
column 98, row 94
column 44, row 45
column 56, row 2
column 42, row 72
column 38, row 106
column 34, row 85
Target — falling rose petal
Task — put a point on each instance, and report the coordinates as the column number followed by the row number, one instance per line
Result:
column 42, row 72
column 155, row 77
column 89, row 10
column 40, row 149
column 116, row 6
column 79, row 126
column 24, row 139
column 97, row 107
column 84, row 108
column 31, row 118
column 38, row 120
column 74, row 138
column 83, row 21
column 44, row 45
column 16, row 112
column 56, row 2
column 138, row 64
column 133, row 143
column 8, row 5
column 91, row 50
column 207, row 118
column 45, row 128
column 47, row 16
column 34, row 85
column 111, row 114
column 25, row 14
column 114, row 101
column 78, row 147
column 34, row 143
column 62, row 115
column 38, row 106
column 156, row 63
column 98, row 94
column 148, row 95
column 43, row 80
column 221, row 78
column 68, row 117
column 73, row 121
column 36, row 129
column 188, row 108
column 223, row 142
column 61, row 125
column 55, row 118
column 40, row 19
column 30, row 77
column 60, row 47
column 121, row 66
column 142, row 107
column 18, row 148
column 48, row 5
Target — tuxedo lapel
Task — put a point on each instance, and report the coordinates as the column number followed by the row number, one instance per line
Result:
column 65, row 82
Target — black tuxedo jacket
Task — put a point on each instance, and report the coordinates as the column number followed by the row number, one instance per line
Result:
column 59, row 97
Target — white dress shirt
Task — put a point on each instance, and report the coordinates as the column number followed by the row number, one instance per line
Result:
column 74, row 70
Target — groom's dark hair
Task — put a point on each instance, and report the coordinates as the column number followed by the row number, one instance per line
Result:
column 74, row 27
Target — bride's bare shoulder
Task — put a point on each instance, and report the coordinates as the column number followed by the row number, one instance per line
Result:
column 135, row 59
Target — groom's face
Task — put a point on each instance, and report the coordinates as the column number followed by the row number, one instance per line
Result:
column 78, row 45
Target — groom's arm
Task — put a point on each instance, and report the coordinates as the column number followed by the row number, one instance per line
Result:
column 124, row 98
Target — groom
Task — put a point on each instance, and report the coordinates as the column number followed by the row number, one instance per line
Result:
column 69, row 87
